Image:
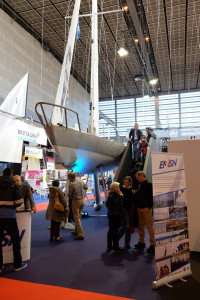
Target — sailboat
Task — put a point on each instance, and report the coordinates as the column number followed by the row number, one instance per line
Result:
column 83, row 152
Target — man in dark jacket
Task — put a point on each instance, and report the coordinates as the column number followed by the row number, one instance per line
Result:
column 135, row 137
column 145, row 203
column 10, row 198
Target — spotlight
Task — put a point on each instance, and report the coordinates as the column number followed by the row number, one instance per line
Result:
column 146, row 38
column 153, row 81
column 136, row 40
column 122, row 51
column 125, row 8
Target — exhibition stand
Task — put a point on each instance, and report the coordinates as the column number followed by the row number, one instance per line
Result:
column 24, row 224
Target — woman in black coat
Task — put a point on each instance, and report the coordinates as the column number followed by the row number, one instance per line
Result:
column 114, row 205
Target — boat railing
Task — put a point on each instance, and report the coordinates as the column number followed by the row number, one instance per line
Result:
column 63, row 110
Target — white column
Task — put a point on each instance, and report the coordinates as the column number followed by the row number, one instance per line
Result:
column 94, row 86
column 156, row 112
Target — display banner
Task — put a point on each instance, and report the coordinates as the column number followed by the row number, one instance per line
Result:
column 30, row 133
column 172, row 257
column 33, row 178
column 24, row 225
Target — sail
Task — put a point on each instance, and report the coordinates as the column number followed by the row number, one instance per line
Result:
column 66, row 67
column 15, row 102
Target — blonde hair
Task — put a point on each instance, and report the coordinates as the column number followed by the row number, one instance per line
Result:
column 114, row 186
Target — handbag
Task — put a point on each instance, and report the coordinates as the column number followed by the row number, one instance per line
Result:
column 57, row 205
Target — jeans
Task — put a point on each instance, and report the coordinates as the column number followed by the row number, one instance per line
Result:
column 10, row 225
column 135, row 150
column 142, row 157
column 126, row 228
column 77, row 208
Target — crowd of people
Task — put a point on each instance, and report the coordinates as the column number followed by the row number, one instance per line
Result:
column 124, row 205
column 121, row 204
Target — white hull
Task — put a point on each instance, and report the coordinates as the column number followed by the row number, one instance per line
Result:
column 84, row 152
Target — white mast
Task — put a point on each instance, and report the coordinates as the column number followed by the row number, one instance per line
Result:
column 94, row 84
column 66, row 66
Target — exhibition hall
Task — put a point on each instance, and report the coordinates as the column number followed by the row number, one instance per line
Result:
column 100, row 138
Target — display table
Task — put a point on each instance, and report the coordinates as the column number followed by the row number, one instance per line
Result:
column 24, row 224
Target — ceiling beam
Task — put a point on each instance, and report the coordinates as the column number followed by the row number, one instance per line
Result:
column 140, row 36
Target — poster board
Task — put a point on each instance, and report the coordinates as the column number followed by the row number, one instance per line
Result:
column 172, row 257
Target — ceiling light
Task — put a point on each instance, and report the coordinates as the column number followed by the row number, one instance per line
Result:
column 138, row 77
column 125, row 8
column 153, row 81
column 136, row 40
column 146, row 38
column 122, row 52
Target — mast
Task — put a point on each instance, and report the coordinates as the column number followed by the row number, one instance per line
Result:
column 66, row 66
column 94, row 83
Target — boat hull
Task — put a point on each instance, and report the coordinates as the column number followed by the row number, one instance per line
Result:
column 82, row 151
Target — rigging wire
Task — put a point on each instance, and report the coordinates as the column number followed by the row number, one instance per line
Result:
column 115, row 51
column 198, row 38
column 170, row 45
column 42, row 49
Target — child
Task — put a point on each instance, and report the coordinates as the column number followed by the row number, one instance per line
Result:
column 143, row 149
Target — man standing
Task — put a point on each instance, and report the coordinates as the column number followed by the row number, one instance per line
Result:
column 10, row 198
column 135, row 137
column 76, row 193
column 145, row 203
column 26, row 193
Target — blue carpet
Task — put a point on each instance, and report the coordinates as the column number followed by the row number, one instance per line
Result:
column 85, row 265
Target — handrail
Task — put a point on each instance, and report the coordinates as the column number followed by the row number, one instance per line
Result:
column 55, row 105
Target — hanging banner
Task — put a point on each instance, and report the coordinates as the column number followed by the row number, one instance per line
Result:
column 33, row 152
column 30, row 133
column 172, row 257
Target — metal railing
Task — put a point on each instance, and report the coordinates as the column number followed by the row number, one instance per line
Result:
column 63, row 109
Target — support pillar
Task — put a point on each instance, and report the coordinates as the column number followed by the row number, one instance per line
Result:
column 98, row 203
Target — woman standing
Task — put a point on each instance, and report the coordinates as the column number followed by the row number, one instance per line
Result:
column 126, row 190
column 114, row 205
column 54, row 215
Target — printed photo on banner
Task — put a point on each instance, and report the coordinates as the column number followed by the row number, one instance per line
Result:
column 50, row 175
column 180, row 261
column 180, row 247
column 163, row 268
column 164, row 200
column 177, row 212
column 180, row 198
column 159, row 228
column 62, row 175
column 176, row 224
column 164, row 251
